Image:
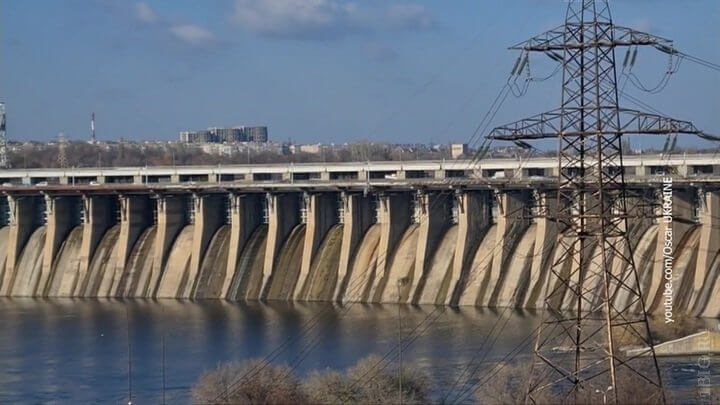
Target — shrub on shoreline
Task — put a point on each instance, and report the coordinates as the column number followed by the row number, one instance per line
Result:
column 270, row 384
column 370, row 380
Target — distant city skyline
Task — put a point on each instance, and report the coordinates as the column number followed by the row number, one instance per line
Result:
column 312, row 70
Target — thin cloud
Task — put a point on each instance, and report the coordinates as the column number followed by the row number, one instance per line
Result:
column 192, row 34
column 381, row 53
column 188, row 34
column 304, row 19
column 410, row 16
column 325, row 19
column 145, row 13
column 644, row 24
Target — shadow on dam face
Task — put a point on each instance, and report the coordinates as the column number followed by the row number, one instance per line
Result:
column 335, row 247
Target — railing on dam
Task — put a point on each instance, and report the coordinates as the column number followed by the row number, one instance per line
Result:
column 532, row 171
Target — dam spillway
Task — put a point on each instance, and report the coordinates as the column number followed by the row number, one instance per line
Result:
column 465, row 245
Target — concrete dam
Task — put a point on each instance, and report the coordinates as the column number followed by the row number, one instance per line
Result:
column 420, row 233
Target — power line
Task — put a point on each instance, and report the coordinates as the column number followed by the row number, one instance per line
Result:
column 700, row 61
column 510, row 356
column 672, row 68
column 129, row 354
column 357, row 288
column 465, row 104
column 466, row 390
column 592, row 211
column 450, row 62
column 490, row 114
column 413, row 336
column 307, row 328
column 472, row 360
column 312, row 323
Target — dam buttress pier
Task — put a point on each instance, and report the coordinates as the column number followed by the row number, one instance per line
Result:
column 476, row 242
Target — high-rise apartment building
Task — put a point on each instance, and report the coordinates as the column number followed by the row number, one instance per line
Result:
column 225, row 135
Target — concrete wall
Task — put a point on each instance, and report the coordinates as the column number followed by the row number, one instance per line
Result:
column 61, row 219
column 135, row 217
column 640, row 219
column 474, row 218
column 682, row 222
column 705, row 343
column 358, row 216
column 707, row 248
column 434, row 221
column 545, row 242
column 4, row 211
column 100, row 214
column 24, row 219
column 575, row 255
column 283, row 216
column 246, row 211
column 322, row 214
column 210, row 214
column 171, row 218
column 510, row 226
column 394, row 217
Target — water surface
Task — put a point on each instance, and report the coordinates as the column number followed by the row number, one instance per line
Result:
column 76, row 350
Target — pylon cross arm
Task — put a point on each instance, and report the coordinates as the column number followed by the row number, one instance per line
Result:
column 638, row 122
column 557, row 40
column 545, row 125
column 548, row 40
column 632, row 122
column 624, row 36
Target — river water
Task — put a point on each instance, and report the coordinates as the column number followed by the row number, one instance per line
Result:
column 76, row 350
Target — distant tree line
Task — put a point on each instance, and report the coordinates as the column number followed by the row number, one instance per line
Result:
column 117, row 154
column 82, row 154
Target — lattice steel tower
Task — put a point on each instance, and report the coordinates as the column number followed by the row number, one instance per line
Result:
column 62, row 159
column 4, row 160
column 576, row 351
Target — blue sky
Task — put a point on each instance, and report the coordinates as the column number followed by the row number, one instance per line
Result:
column 311, row 70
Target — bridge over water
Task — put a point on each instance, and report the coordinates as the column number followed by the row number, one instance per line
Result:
column 456, row 233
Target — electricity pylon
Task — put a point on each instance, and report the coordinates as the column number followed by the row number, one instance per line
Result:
column 62, row 159
column 577, row 350
column 4, row 160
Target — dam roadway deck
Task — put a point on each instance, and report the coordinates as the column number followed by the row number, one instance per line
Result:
column 455, row 233
column 377, row 186
column 537, row 173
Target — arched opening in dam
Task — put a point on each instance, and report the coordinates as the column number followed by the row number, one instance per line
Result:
column 327, row 247
column 134, row 279
column 247, row 277
column 27, row 281
column 323, row 277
